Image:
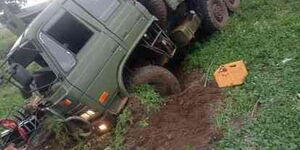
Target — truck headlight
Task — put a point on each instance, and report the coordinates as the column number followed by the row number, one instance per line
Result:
column 103, row 127
column 88, row 115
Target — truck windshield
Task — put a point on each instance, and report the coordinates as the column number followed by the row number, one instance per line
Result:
column 28, row 68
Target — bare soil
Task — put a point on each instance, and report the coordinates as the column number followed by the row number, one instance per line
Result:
column 185, row 121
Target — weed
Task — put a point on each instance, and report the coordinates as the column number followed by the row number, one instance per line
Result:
column 81, row 145
column 143, row 123
column 149, row 97
column 9, row 95
column 117, row 142
column 189, row 147
column 59, row 129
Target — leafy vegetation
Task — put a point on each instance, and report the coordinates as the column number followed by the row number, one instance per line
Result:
column 6, row 40
column 118, row 139
column 149, row 97
column 265, row 34
column 59, row 128
column 143, row 123
column 9, row 95
column 189, row 147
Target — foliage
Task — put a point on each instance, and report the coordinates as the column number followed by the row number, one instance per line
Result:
column 7, row 39
column 265, row 34
column 58, row 128
column 63, row 138
column 189, row 147
column 118, row 139
column 143, row 123
column 149, row 97
column 9, row 95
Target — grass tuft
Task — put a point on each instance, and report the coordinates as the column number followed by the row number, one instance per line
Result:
column 122, row 126
column 149, row 97
column 9, row 95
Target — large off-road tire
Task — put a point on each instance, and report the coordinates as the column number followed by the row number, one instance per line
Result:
column 160, row 78
column 214, row 13
column 158, row 9
column 78, row 127
column 232, row 5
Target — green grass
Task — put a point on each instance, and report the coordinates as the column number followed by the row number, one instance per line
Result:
column 263, row 33
column 9, row 98
column 6, row 40
column 189, row 147
column 149, row 97
column 9, row 95
column 122, row 126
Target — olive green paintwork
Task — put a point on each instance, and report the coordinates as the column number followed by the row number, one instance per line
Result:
column 101, row 61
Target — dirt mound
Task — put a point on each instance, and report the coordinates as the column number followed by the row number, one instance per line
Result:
column 186, row 120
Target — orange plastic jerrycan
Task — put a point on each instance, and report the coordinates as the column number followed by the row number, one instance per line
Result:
column 231, row 74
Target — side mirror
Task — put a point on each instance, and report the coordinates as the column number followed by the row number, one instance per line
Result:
column 21, row 75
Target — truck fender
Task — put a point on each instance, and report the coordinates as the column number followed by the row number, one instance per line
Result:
column 122, row 87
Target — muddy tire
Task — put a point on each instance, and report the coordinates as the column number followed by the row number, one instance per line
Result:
column 214, row 13
column 158, row 9
column 160, row 78
column 232, row 5
column 78, row 127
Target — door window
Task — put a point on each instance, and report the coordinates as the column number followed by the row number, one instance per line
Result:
column 70, row 33
column 64, row 58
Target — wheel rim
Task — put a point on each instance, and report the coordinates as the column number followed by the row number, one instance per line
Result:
column 218, row 11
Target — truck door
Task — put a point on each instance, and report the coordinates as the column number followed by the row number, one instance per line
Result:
column 99, row 61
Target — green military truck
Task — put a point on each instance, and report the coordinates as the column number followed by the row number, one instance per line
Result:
column 79, row 59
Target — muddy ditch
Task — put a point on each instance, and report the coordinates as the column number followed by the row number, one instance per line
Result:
column 185, row 121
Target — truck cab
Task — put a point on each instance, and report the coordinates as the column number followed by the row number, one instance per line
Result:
column 81, row 45
column 69, row 60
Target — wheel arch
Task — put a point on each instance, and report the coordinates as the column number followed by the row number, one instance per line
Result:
column 121, row 83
